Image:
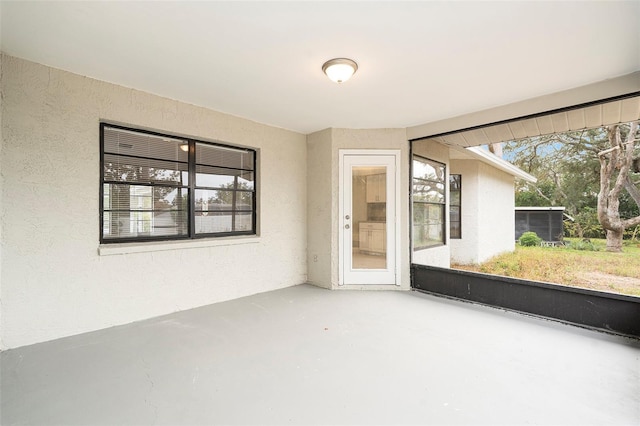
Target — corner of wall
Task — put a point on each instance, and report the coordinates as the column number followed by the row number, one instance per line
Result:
column 319, row 193
column 2, row 346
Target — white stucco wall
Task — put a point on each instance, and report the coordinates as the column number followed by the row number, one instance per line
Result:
column 487, row 212
column 323, row 205
column 1, row 191
column 53, row 281
column 439, row 255
column 496, row 217
column 319, row 209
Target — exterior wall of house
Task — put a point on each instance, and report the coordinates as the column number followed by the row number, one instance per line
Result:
column 496, row 218
column 487, row 212
column 323, row 149
column 56, row 279
column 440, row 255
column 466, row 249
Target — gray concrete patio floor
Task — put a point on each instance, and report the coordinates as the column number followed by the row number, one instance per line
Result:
column 305, row 355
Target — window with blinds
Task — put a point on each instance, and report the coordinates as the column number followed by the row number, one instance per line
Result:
column 161, row 187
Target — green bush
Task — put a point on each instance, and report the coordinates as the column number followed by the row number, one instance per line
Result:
column 583, row 245
column 529, row 239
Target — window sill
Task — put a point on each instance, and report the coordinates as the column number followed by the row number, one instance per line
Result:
column 126, row 248
column 429, row 247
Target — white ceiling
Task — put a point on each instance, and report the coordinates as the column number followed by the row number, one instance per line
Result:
column 418, row 61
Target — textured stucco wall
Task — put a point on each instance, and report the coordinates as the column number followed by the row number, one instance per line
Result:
column 440, row 255
column 496, row 203
column 319, row 230
column 54, row 282
column 1, row 190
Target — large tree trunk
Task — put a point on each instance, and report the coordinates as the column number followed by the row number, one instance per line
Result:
column 614, row 240
column 615, row 163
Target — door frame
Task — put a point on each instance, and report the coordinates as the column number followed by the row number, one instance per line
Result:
column 396, row 153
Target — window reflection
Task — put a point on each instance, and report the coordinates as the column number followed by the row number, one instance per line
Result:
column 428, row 202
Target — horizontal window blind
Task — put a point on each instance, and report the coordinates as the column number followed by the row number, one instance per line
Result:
column 159, row 187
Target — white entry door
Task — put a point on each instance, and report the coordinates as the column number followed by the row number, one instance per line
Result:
column 368, row 213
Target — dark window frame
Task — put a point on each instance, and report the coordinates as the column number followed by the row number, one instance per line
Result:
column 459, row 206
column 191, row 188
column 442, row 204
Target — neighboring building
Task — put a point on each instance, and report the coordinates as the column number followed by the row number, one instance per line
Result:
column 546, row 222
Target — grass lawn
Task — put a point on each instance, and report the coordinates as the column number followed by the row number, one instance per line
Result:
column 599, row 270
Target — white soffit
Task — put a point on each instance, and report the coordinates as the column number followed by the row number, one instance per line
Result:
column 477, row 153
column 597, row 115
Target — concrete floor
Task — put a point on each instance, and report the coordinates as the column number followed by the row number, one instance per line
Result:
column 304, row 355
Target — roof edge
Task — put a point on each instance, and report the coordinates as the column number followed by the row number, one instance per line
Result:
column 497, row 162
column 594, row 92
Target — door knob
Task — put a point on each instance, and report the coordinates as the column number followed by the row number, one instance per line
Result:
column 347, row 217
column 346, row 226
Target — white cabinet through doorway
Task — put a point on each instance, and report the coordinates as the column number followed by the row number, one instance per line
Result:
column 376, row 188
column 373, row 237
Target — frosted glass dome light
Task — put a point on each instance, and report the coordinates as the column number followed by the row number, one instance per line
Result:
column 339, row 70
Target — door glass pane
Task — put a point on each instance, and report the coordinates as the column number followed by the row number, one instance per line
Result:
column 369, row 217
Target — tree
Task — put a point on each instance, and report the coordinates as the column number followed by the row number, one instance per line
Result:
column 568, row 169
column 237, row 194
column 616, row 163
column 565, row 165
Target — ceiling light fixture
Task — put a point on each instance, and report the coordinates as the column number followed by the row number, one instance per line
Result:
column 339, row 69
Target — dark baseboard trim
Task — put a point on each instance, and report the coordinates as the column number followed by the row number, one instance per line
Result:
column 610, row 312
